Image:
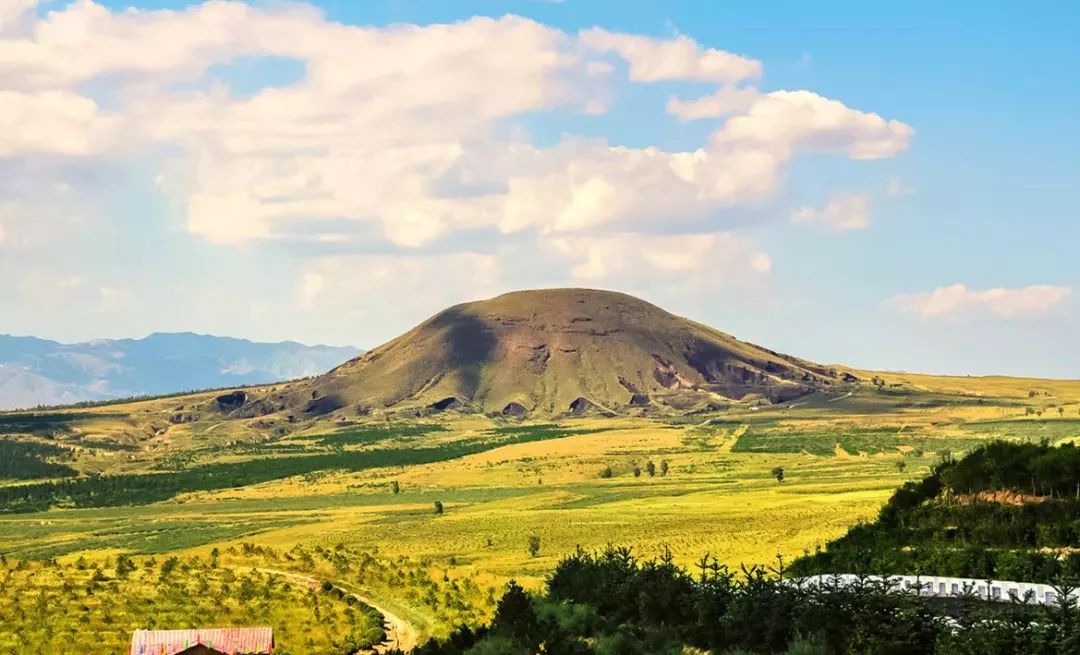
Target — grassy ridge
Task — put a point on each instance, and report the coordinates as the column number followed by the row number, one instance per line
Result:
column 1008, row 511
column 45, row 423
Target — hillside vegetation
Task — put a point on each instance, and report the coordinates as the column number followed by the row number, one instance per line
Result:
column 612, row 603
column 455, row 499
column 92, row 606
column 1006, row 511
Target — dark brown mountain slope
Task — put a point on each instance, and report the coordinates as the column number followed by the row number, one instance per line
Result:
column 552, row 352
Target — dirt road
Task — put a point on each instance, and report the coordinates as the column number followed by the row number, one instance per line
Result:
column 399, row 632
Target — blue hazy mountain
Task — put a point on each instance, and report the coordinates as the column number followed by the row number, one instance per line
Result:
column 41, row 372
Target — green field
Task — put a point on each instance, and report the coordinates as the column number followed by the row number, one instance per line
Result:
column 515, row 497
column 91, row 605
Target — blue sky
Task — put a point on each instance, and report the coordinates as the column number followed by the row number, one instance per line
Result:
column 274, row 172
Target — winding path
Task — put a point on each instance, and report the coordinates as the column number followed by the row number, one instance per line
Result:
column 400, row 633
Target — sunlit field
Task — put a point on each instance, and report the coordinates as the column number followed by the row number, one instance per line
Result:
column 449, row 498
column 91, row 604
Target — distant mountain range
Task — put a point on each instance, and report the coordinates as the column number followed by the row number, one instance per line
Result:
column 41, row 372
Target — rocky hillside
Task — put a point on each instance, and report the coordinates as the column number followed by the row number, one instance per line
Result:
column 554, row 352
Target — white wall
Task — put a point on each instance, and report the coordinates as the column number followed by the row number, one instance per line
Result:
column 932, row 585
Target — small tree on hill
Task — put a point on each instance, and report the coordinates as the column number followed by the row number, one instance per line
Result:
column 124, row 566
column 663, row 467
column 778, row 473
column 534, row 545
column 515, row 616
column 606, row 472
column 438, row 507
column 637, row 471
column 395, row 487
column 650, row 468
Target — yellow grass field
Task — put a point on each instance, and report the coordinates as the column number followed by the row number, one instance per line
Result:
column 501, row 485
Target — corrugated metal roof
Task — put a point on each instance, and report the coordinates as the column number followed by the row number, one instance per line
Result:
column 247, row 641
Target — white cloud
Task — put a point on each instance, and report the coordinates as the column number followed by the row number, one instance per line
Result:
column 113, row 301
column 634, row 260
column 844, row 211
column 787, row 120
column 382, row 294
column 958, row 300
column 583, row 186
column 86, row 40
column 404, row 137
column 760, row 262
column 681, row 58
column 312, row 286
column 726, row 101
column 59, row 122
column 13, row 14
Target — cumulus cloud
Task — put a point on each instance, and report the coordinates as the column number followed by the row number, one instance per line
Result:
column 385, row 293
column 844, row 211
column 684, row 259
column 59, row 122
column 14, row 13
column 788, row 120
column 724, row 102
column 681, row 58
column 582, row 186
column 405, row 142
column 312, row 286
column 405, row 139
column 85, row 41
column 958, row 300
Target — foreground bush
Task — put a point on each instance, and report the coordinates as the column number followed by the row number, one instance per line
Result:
column 612, row 603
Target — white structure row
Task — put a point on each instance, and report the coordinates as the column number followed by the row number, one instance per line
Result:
column 932, row 585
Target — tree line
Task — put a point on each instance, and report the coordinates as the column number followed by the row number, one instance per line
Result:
column 612, row 603
column 143, row 489
column 26, row 460
column 1007, row 511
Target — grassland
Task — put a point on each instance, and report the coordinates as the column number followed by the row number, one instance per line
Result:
column 91, row 605
column 369, row 487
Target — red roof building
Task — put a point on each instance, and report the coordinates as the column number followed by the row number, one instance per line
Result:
column 214, row 641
